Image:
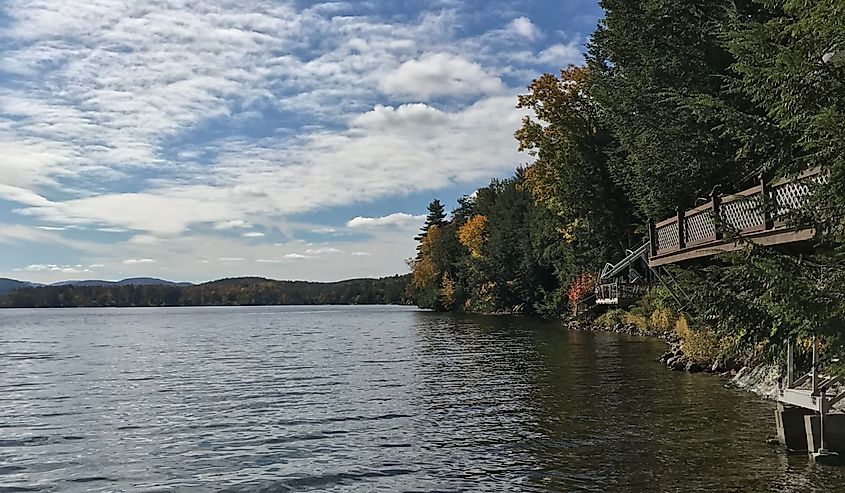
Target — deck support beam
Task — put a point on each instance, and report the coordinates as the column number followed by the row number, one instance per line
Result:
column 766, row 195
column 682, row 239
column 716, row 204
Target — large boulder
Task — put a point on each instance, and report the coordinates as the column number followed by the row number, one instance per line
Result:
column 676, row 363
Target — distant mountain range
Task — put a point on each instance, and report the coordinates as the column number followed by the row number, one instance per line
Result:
column 7, row 285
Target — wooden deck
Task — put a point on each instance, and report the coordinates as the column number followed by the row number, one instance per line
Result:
column 619, row 293
column 729, row 223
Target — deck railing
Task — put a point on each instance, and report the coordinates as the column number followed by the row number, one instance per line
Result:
column 618, row 292
column 753, row 211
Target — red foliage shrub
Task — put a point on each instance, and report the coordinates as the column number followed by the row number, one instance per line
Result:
column 582, row 286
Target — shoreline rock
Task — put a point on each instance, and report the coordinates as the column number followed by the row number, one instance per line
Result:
column 763, row 380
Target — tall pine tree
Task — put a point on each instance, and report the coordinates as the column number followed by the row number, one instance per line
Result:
column 436, row 217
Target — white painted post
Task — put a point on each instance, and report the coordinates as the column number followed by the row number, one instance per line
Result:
column 790, row 363
column 815, row 372
column 822, row 412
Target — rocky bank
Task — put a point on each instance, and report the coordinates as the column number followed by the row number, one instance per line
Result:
column 762, row 379
column 674, row 358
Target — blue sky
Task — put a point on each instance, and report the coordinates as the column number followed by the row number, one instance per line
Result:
column 194, row 140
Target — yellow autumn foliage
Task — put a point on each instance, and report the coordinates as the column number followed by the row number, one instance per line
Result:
column 701, row 343
column 447, row 291
column 473, row 233
column 425, row 272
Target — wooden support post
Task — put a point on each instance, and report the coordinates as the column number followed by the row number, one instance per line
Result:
column 652, row 239
column 766, row 204
column 716, row 203
column 790, row 364
column 682, row 240
column 822, row 412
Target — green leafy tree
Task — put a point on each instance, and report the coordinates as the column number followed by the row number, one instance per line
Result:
column 588, row 218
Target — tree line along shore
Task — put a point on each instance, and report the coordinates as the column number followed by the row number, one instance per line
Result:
column 224, row 292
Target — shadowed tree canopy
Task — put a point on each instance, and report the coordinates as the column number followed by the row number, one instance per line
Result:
column 660, row 74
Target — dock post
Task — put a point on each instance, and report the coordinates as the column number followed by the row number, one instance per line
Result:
column 716, row 204
column 822, row 410
column 790, row 363
column 822, row 455
column 815, row 370
column 821, row 397
column 652, row 239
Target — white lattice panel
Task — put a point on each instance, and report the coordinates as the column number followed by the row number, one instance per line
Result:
column 743, row 213
column 699, row 226
column 667, row 236
column 790, row 196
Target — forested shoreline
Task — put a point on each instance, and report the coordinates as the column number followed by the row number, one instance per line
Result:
column 224, row 292
column 677, row 102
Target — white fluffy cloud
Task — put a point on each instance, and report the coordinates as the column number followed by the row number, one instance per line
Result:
column 136, row 261
column 160, row 212
column 167, row 70
column 396, row 220
column 440, row 74
column 60, row 269
column 232, row 224
column 562, row 54
column 105, row 129
column 322, row 251
column 21, row 195
column 523, row 26
column 414, row 147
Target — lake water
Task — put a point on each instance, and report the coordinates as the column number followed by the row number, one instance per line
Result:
column 366, row 399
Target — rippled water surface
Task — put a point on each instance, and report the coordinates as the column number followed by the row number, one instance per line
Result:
column 365, row 399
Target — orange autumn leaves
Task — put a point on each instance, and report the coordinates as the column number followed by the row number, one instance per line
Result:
column 581, row 287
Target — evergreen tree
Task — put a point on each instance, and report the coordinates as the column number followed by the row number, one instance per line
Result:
column 436, row 217
column 792, row 64
column 660, row 74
